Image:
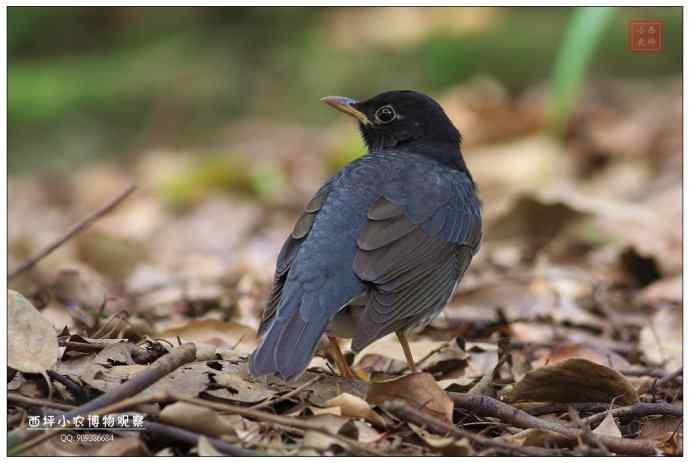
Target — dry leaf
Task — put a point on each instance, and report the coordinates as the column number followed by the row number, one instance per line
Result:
column 393, row 356
column 318, row 440
column 596, row 354
column 356, row 407
column 337, row 411
column 206, row 449
column 447, row 446
column 662, row 339
column 668, row 290
column 219, row 333
column 239, row 389
column 667, row 431
column 608, row 427
column 419, row 390
column 198, row 419
column 539, row 438
column 32, row 345
column 574, row 380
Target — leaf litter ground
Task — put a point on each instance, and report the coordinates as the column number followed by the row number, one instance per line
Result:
column 565, row 337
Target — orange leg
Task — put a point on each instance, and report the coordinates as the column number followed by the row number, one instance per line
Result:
column 340, row 361
column 406, row 349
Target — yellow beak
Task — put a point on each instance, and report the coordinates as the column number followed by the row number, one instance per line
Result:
column 346, row 105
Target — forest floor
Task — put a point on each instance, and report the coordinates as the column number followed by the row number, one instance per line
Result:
column 564, row 338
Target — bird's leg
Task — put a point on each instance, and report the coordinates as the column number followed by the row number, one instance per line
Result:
column 340, row 360
column 406, row 349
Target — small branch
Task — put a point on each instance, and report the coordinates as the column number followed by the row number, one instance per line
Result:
column 486, row 406
column 669, row 377
column 292, row 393
column 73, row 388
column 545, row 409
column 636, row 371
column 637, row 411
column 166, row 364
column 281, row 420
column 167, row 433
column 588, row 435
column 75, row 230
column 406, row 412
column 13, row 397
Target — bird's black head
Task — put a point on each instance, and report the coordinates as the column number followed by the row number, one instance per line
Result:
column 401, row 117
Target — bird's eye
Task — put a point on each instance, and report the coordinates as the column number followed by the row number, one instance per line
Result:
column 385, row 114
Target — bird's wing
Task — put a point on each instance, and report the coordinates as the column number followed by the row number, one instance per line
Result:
column 288, row 253
column 414, row 248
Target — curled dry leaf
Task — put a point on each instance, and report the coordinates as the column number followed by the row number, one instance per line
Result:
column 332, row 423
column 667, row 290
column 198, row 419
column 608, row 427
column 447, row 446
column 540, row 438
column 420, row 390
column 356, row 407
column 230, row 334
column 667, row 431
column 574, row 380
column 596, row 354
column 206, row 449
column 662, row 339
column 237, row 388
column 32, row 345
column 387, row 355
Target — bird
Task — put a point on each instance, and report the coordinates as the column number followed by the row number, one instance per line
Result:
column 381, row 246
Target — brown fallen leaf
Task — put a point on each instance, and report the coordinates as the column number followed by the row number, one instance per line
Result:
column 667, row 431
column 332, row 423
column 198, row 419
column 667, row 290
column 447, row 446
column 387, row 355
column 539, row 438
column 574, row 380
column 239, row 389
column 420, row 390
column 206, row 449
column 32, row 345
column 230, row 334
column 356, row 407
column 662, row 339
column 596, row 354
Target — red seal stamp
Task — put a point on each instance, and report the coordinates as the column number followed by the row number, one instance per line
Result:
column 646, row 36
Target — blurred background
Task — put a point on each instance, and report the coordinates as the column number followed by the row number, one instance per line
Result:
column 574, row 139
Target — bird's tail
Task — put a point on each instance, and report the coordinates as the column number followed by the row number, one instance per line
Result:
column 288, row 345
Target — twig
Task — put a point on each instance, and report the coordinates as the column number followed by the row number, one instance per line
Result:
column 119, row 397
column 25, row 443
column 73, row 388
column 292, row 393
column 486, row 406
column 653, row 372
column 405, row 411
column 588, row 436
column 166, row 364
column 669, row 377
column 545, row 409
column 21, row 399
column 76, row 229
column 281, row 420
column 637, row 411
column 171, row 433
